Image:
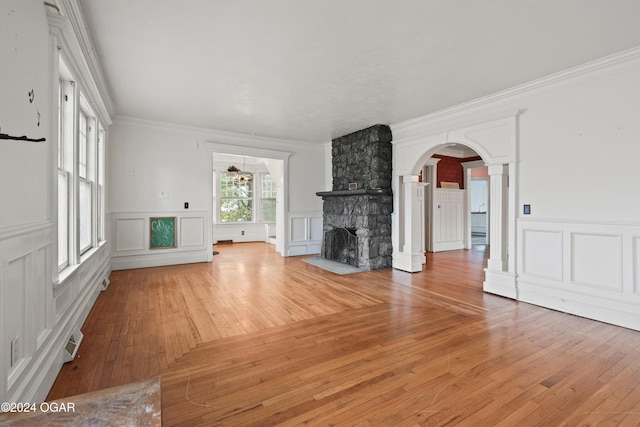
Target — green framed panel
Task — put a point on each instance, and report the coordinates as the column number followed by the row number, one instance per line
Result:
column 162, row 232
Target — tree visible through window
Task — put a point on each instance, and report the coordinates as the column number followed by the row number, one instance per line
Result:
column 268, row 198
column 236, row 199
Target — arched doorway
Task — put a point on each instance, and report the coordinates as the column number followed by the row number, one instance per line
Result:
column 494, row 141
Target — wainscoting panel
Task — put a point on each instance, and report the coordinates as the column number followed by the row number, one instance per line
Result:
column 36, row 314
column 597, row 260
column 43, row 292
column 587, row 269
column 542, row 253
column 299, row 230
column 129, row 234
column 15, row 308
column 305, row 233
column 131, row 240
column 315, row 228
column 636, row 264
column 191, row 231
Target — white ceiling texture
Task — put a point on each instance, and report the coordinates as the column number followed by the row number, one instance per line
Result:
column 314, row 70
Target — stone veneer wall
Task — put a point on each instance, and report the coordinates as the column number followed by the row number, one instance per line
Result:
column 363, row 157
column 371, row 217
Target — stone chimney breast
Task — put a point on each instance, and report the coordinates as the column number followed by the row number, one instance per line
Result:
column 362, row 158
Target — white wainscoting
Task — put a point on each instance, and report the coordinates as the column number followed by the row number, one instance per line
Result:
column 37, row 314
column 131, row 240
column 242, row 232
column 448, row 219
column 305, row 233
column 587, row 269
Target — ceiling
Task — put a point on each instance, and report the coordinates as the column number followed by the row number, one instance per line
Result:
column 312, row 71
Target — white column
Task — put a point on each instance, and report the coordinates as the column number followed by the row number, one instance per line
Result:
column 500, row 279
column 497, row 218
column 411, row 255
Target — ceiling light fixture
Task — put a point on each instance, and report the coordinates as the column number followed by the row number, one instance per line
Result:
column 240, row 175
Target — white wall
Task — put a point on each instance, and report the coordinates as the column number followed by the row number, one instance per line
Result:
column 156, row 167
column 38, row 312
column 578, row 147
column 25, row 57
column 578, row 144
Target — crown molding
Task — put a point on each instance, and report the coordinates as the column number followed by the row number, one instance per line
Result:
column 459, row 114
column 71, row 11
column 212, row 135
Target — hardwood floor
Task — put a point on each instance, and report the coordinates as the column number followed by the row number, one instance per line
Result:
column 256, row 339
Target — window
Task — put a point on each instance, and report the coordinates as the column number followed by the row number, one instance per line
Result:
column 236, row 199
column 66, row 96
column 86, row 176
column 267, row 198
column 80, row 173
column 100, row 185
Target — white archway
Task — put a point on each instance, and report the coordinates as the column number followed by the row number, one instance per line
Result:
column 495, row 142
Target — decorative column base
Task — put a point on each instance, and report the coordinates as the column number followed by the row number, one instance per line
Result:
column 411, row 263
column 500, row 283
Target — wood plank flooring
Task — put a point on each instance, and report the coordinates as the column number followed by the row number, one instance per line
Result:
column 256, row 339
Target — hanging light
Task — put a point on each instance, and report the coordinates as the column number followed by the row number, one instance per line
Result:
column 245, row 176
column 240, row 175
column 233, row 172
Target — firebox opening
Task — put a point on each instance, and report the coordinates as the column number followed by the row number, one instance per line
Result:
column 341, row 244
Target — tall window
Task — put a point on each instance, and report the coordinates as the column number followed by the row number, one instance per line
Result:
column 66, row 95
column 80, row 175
column 236, row 199
column 100, row 185
column 86, row 178
column 267, row 198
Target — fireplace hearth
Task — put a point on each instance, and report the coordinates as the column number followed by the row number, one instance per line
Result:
column 360, row 160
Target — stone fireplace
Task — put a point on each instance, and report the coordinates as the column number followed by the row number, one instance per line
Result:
column 361, row 202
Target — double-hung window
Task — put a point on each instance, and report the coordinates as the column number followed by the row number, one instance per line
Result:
column 65, row 162
column 267, row 198
column 86, row 176
column 80, row 173
column 236, row 199
column 239, row 200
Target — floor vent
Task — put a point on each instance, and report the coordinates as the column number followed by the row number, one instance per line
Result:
column 71, row 348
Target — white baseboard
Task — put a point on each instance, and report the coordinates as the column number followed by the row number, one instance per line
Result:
column 156, row 260
column 620, row 313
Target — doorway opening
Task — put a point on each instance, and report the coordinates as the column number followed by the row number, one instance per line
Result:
column 479, row 195
column 456, row 199
column 247, row 188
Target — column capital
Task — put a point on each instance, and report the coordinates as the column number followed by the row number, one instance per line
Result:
column 496, row 169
